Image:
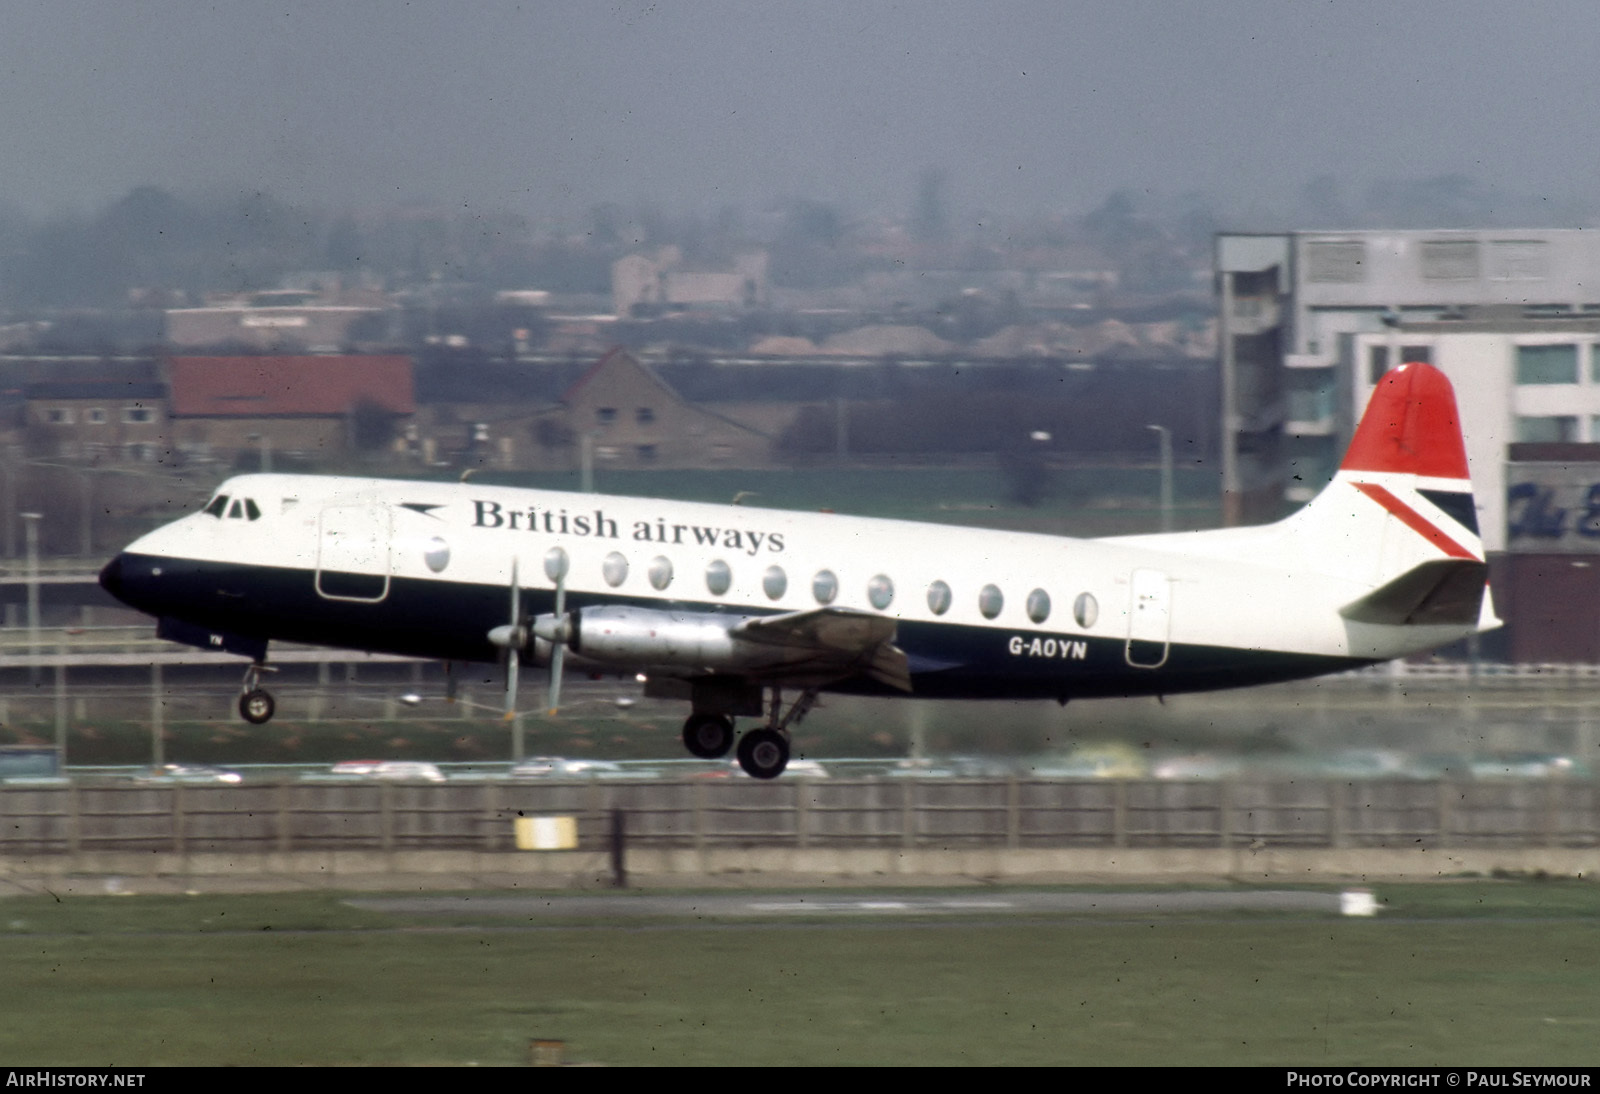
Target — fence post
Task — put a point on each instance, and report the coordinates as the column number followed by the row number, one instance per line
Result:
column 1225, row 813
column 176, row 791
column 1119, row 813
column 701, row 789
column 908, row 813
column 386, row 817
column 74, row 820
column 1013, row 812
column 491, row 812
column 285, row 835
column 802, row 787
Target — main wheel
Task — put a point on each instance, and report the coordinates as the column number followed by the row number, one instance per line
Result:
column 708, row 736
column 763, row 753
column 257, row 707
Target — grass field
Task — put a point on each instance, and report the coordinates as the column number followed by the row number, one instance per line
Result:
column 1473, row 972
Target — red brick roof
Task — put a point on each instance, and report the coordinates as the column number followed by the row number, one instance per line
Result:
column 256, row 387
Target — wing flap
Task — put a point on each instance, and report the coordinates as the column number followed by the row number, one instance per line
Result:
column 854, row 641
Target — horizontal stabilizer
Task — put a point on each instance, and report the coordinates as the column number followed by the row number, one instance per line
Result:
column 1445, row 590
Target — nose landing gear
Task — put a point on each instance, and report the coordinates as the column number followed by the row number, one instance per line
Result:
column 256, row 704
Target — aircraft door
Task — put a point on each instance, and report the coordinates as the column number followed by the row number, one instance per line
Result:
column 353, row 553
column 1149, row 619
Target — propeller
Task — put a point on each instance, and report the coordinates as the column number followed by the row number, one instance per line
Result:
column 556, row 630
column 512, row 637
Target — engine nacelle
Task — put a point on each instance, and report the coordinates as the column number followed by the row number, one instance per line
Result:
column 646, row 637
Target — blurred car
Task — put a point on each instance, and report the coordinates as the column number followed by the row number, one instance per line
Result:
column 355, row 769
column 395, row 770
column 1106, row 761
column 408, row 771
column 555, row 767
column 1199, row 765
column 191, row 774
column 796, row 769
column 1526, row 765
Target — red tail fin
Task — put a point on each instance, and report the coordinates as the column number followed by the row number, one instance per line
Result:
column 1411, row 426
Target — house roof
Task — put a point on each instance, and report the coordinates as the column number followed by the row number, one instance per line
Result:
column 618, row 357
column 255, row 387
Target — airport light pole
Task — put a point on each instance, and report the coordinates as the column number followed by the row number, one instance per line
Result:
column 1166, row 475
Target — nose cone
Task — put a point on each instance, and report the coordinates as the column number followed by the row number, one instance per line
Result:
column 111, row 578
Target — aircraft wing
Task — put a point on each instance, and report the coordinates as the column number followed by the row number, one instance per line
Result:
column 855, row 641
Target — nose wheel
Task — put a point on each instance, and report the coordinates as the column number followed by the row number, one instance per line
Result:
column 256, row 704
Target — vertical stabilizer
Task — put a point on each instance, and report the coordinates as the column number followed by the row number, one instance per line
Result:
column 1399, row 515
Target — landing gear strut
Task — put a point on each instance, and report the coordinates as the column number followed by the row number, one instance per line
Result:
column 764, row 753
column 256, row 704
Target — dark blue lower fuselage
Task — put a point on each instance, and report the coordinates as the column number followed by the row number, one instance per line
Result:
column 248, row 606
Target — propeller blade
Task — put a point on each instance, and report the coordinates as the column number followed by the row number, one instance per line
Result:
column 515, row 643
column 558, row 651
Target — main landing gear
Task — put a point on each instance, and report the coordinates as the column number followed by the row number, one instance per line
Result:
column 763, row 753
column 256, row 704
column 708, row 736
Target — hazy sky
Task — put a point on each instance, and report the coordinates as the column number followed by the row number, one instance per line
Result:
column 553, row 107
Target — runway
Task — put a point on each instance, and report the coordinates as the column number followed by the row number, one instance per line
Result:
column 589, row 907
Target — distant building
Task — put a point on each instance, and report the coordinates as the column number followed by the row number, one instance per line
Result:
column 288, row 321
column 1308, row 319
column 314, row 407
column 631, row 418
column 96, row 421
column 664, row 282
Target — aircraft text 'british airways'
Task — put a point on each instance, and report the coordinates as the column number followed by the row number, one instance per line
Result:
column 558, row 522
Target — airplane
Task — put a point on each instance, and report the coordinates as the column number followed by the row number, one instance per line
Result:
column 728, row 607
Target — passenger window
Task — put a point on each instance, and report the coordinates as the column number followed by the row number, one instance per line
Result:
column 880, row 592
column 1038, row 605
column 990, row 601
column 825, row 586
column 1085, row 610
column 555, row 564
column 436, row 554
column 719, row 578
column 938, row 598
column 614, row 569
column 775, row 582
column 660, row 572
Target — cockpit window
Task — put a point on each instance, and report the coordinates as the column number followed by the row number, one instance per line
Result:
column 241, row 509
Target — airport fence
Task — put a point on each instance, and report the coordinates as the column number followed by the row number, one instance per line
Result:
column 944, row 813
